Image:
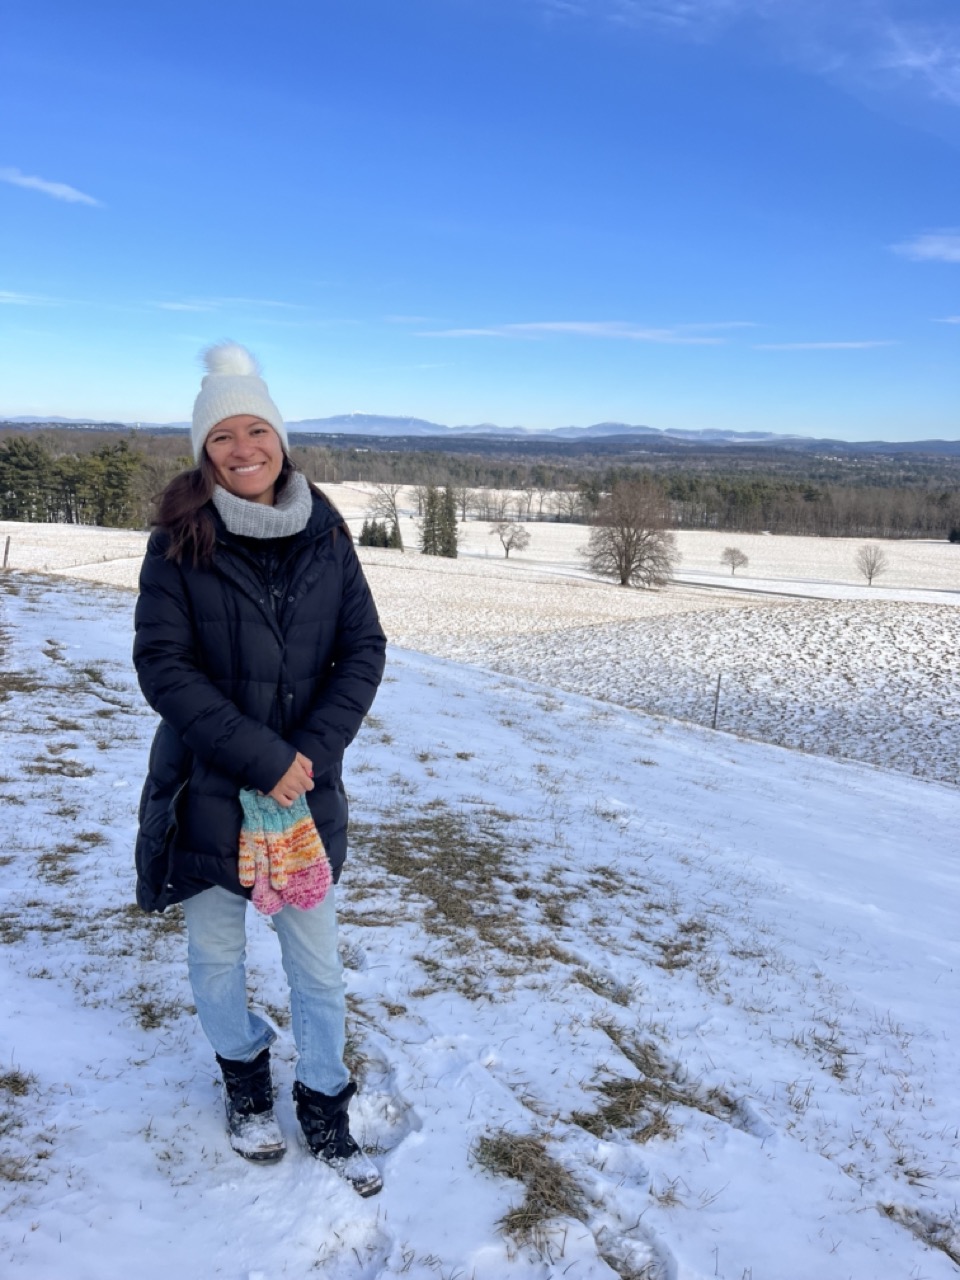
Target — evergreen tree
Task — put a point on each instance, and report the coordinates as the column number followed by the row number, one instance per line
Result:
column 395, row 542
column 26, row 473
column 375, row 534
column 447, row 533
column 109, row 477
column 69, row 483
column 430, row 523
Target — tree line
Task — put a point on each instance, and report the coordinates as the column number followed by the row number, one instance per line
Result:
column 102, row 487
column 109, row 478
column 746, row 504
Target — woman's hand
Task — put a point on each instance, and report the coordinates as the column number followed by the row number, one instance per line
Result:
column 295, row 782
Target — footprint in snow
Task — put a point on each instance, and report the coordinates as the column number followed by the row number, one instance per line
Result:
column 352, row 955
column 640, row 1254
column 380, row 1115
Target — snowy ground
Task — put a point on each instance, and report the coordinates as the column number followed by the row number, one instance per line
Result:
column 876, row 682
column 917, row 570
column 707, row 986
column 865, row 673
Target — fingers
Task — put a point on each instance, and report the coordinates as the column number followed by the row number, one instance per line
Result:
column 295, row 782
column 306, row 767
column 286, row 790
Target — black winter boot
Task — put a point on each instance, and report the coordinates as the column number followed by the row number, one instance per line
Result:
column 326, row 1128
column 248, row 1096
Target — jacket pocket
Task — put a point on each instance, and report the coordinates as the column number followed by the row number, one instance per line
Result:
column 154, row 857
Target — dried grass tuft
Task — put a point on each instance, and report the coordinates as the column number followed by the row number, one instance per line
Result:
column 17, row 1083
column 935, row 1232
column 640, row 1104
column 550, row 1191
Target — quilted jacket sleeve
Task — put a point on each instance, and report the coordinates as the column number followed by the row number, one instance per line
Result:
column 358, row 660
column 164, row 654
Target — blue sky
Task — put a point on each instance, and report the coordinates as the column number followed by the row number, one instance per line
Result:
column 686, row 213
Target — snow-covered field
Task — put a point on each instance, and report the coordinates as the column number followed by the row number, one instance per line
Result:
column 776, row 563
column 875, row 682
column 700, row 992
column 868, row 673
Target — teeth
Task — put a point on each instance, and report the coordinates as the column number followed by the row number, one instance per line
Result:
column 242, row 471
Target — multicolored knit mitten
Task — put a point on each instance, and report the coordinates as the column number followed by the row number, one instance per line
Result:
column 282, row 857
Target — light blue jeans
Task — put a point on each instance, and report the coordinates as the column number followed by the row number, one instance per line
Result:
column 216, row 956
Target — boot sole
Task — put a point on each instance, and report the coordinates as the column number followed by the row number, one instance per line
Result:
column 262, row 1157
column 366, row 1192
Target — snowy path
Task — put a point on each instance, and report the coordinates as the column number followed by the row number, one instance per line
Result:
column 713, row 983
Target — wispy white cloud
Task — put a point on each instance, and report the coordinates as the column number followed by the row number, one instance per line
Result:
column 691, row 15
column 865, row 44
column 823, row 346
column 948, row 320
column 409, row 320
column 10, row 299
column 681, row 335
column 932, row 246
column 58, row 190
column 924, row 54
column 223, row 304
column 184, row 306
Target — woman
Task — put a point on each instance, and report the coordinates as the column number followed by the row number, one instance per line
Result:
column 258, row 644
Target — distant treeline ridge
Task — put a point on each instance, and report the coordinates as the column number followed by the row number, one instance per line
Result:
column 92, row 477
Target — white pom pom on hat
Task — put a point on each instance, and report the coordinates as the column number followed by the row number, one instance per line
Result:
column 232, row 385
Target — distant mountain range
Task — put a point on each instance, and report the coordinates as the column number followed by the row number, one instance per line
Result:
column 379, row 426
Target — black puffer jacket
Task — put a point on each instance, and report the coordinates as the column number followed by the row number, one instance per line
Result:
column 243, row 677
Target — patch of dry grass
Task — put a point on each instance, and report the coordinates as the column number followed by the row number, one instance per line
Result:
column 640, row 1104
column 16, row 1083
column 549, row 1190
column 12, row 927
column 601, row 985
column 12, row 682
column 936, row 1232
column 456, row 861
column 58, row 768
column 15, row 1165
column 152, row 1012
column 54, row 864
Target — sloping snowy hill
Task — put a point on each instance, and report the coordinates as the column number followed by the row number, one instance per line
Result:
column 700, row 993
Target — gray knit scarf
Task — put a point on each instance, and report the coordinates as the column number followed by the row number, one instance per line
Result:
column 288, row 515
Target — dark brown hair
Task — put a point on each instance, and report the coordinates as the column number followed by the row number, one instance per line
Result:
column 183, row 511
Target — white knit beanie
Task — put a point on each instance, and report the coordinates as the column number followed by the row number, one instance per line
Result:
column 232, row 385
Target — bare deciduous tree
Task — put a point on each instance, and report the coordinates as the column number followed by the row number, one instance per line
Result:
column 871, row 562
column 461, row 496
column 383, row 505
column 513, row 537
column 504, row 504
column 542, row 495
column 568, row 504
column 491, row 504
column 630, row 541
column 735, row 558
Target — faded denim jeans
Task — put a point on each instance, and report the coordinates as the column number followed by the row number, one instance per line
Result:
column 216, row 956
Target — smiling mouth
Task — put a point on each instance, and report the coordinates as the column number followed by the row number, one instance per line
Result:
column 246, row 471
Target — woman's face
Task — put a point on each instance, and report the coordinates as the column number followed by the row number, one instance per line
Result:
column 246, row 455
